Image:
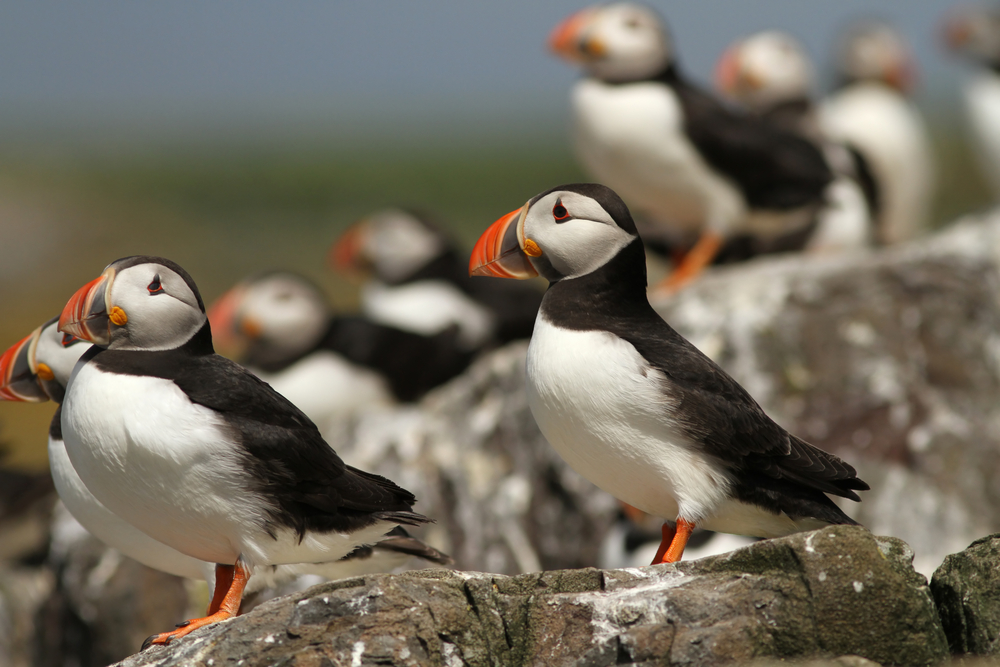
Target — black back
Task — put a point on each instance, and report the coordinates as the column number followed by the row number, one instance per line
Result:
column 288, row 461
column 774, row 169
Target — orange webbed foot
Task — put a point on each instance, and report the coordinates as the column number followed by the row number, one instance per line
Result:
column 229, row 584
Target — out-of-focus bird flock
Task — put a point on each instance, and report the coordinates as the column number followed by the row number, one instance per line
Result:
column 757, row 161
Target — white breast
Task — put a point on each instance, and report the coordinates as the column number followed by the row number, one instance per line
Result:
column 602, row 407
column 982, row 101
column 428, row 307
column 165, row 465
column 631, row 138
column 889, row 132
column 111, row 529
column 328, row 389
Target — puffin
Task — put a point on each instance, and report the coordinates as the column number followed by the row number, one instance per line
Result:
column 38, row 367
column 416, row 279
column 329, row 365
column 974, row 34
column 770, row 74
column 195, row 450
column 872, row 112
column 699, row 170
column 633, row 406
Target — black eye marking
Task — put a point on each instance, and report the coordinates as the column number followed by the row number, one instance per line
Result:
column 69, row 339
column 559, row 212
column 155, row 287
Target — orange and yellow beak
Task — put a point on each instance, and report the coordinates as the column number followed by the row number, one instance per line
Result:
column 18, row 379
column 570, row 40
column 345, row 254
column 229, row 327
column 957, row 32
column 902, row 76
column 727, row 71
column 499, row 252
column 86, row 313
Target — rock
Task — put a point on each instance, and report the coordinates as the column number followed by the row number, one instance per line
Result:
column 101, row 605
column 504, row 501
column 966, row 589
column 890, row 359
column 838, row 591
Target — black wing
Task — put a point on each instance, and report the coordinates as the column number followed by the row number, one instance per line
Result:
column 283, row 451
column 412, row 363
column 774, row 169
column 727, row 422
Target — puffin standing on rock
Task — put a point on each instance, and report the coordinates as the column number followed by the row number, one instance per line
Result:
column 196, row 451
column 633, row 406
column 702, row 172
column 38, row 367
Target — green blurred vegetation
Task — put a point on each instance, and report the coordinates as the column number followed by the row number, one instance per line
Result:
column 223, row 213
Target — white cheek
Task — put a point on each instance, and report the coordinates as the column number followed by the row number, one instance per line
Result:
column 580, row 247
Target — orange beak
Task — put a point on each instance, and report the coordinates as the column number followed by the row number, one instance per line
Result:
column 345, row 253
column 86, row 313
column 222, row 316
column 568, row 41
column 498, row 251
column 902, row 76
column 957, row 32
column 18, row 381
column 727, row 71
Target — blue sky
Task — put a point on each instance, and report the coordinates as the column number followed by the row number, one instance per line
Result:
column 395, row 65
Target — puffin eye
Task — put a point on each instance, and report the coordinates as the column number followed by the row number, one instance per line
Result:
column 69, row 339
column 559, row 212
column 155, row 287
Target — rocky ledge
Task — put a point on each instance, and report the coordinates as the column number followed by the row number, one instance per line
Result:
column 834, row 592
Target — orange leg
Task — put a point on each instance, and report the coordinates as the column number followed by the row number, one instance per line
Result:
column 667, row 531
column 223, row 580
column 700, row 256
column 227, row 586
column 673, row 543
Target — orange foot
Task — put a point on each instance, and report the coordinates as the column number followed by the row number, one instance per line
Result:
column 229, row 584
column 694, row 262
column 673, row 542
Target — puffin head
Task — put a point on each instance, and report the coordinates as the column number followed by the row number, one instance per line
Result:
column 393, row 244
column 764, row 70
column 617, row 43
column 37, row 368
column 275, row 315
column 975, row 34
column 562, row 233
column 875, row 51
column 138, row 303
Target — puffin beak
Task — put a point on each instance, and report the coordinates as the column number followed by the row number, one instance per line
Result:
column 957, row 32
column 18, row 381
column 727, row 71
column 498, row 251
column 222, row 317
column 901, row 76
column 569, row 40
column 86, row 313
column 345, row 253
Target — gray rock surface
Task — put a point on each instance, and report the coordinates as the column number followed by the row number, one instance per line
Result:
column 966, row 589
column 839, row 591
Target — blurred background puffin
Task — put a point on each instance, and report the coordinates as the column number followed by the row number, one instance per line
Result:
column 770, row 74
column 700, row 172
column 415, row 278
column 872, row 112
